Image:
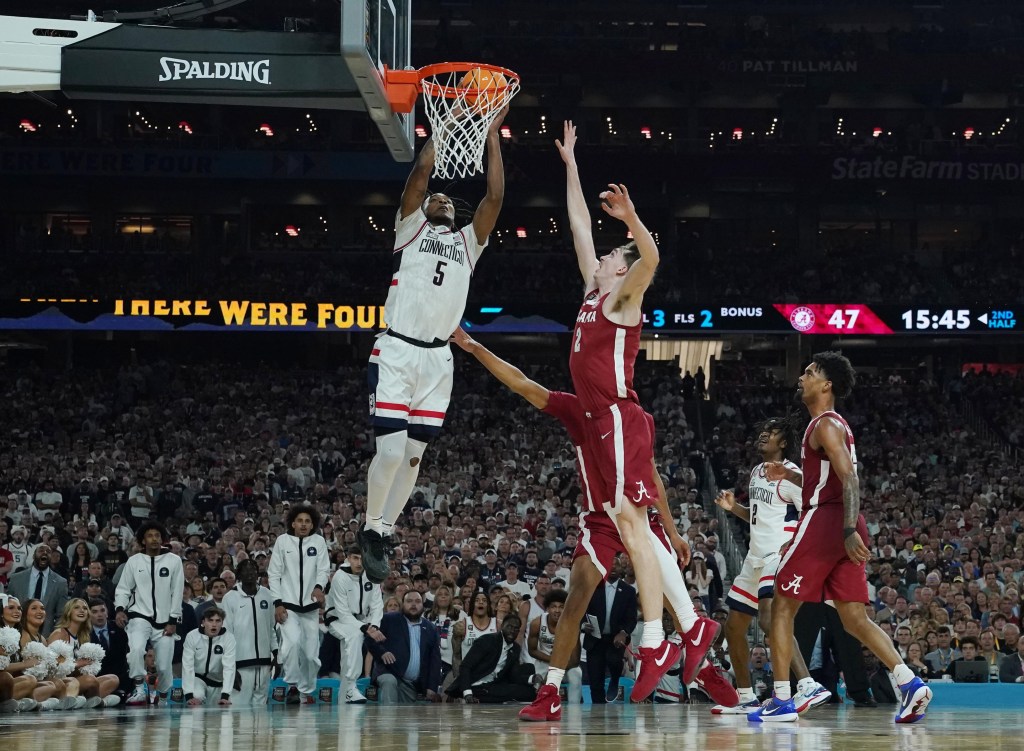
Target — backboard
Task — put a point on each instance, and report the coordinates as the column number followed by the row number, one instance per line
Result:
column 375, row 34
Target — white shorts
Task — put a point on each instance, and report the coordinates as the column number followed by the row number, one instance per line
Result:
column 410, row 387
column 756, row 581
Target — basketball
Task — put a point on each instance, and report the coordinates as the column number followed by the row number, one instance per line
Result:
column 484, row 86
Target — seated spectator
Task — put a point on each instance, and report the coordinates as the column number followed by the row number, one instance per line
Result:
column 491, row 672
column 944, row 654
column 969, row 647
column 883, row 691
column 407, row 663
column 1011, row 668
column 916, row 662
column 114, row 641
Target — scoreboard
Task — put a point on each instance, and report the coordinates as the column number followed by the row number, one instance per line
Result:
column 832, row 318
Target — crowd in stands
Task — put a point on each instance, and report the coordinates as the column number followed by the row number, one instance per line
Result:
column 221, row 453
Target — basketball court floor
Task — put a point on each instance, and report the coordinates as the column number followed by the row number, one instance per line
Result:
column 483, row 728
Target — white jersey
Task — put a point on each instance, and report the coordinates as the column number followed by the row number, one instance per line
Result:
column 473, row 633
column 545, row 637
column 774, row 511
column 444, row 625
column 432, row 269
column 22, row 555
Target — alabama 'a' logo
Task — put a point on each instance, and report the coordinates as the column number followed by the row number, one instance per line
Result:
column 641, row 492
column 793, row 586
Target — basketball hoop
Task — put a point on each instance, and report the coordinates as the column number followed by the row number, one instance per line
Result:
column 461, row 101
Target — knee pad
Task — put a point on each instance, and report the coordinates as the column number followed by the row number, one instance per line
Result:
column 390, row 450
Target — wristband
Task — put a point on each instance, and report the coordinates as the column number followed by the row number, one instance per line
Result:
column 847, row 531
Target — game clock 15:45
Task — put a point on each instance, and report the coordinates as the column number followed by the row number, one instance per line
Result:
column 922, row 319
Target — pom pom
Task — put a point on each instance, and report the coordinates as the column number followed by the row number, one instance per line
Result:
column 35, row 650
column 64, row 660
column 9, row 641
column 95, row 654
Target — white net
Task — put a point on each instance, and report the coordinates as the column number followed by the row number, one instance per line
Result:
column 461, row 105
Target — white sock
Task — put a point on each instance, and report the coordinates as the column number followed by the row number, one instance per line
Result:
column 746, row 694
column 903, row 674
column 805, row 684
column 782, row 692
column 404, row 481
column 555, row 676
column 381, row 476
column 673, row 585
column 654, row 634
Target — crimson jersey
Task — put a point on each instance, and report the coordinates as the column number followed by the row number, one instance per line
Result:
column 602, row 356
column 822, row 485
column 567, row 410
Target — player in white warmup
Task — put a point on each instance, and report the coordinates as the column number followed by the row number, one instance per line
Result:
column 773, row 514
column 410, row 371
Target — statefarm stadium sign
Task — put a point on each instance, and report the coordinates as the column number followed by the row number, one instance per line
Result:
column 915, row 168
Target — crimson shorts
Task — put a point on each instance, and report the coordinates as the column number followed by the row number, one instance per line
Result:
column 621, row 444
column 599, row 539
column 816, row 567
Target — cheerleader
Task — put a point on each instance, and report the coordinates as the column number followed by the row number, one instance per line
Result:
column 74, row 628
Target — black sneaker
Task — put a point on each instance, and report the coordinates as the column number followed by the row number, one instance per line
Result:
column 862, row 700
column 375, row 554
column 293, row 697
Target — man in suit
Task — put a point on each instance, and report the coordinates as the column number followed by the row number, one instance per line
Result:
column 614, row 606
column 407, row 661
column 1011, row 667
column 41, row 583
column 114, row 640
column 490, row 671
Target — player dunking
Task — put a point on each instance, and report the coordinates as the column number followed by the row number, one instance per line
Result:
column 410, row 372
column 597, row 547
column 605, row 343
column 826, row 560
column 772, row 514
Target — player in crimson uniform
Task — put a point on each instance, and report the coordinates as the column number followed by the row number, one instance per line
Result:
column 827, row 557
column 599, row 543
column 605, row 343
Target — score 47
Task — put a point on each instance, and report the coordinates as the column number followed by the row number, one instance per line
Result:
column 843, row 318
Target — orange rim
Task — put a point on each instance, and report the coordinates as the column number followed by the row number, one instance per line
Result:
column 451, row 92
